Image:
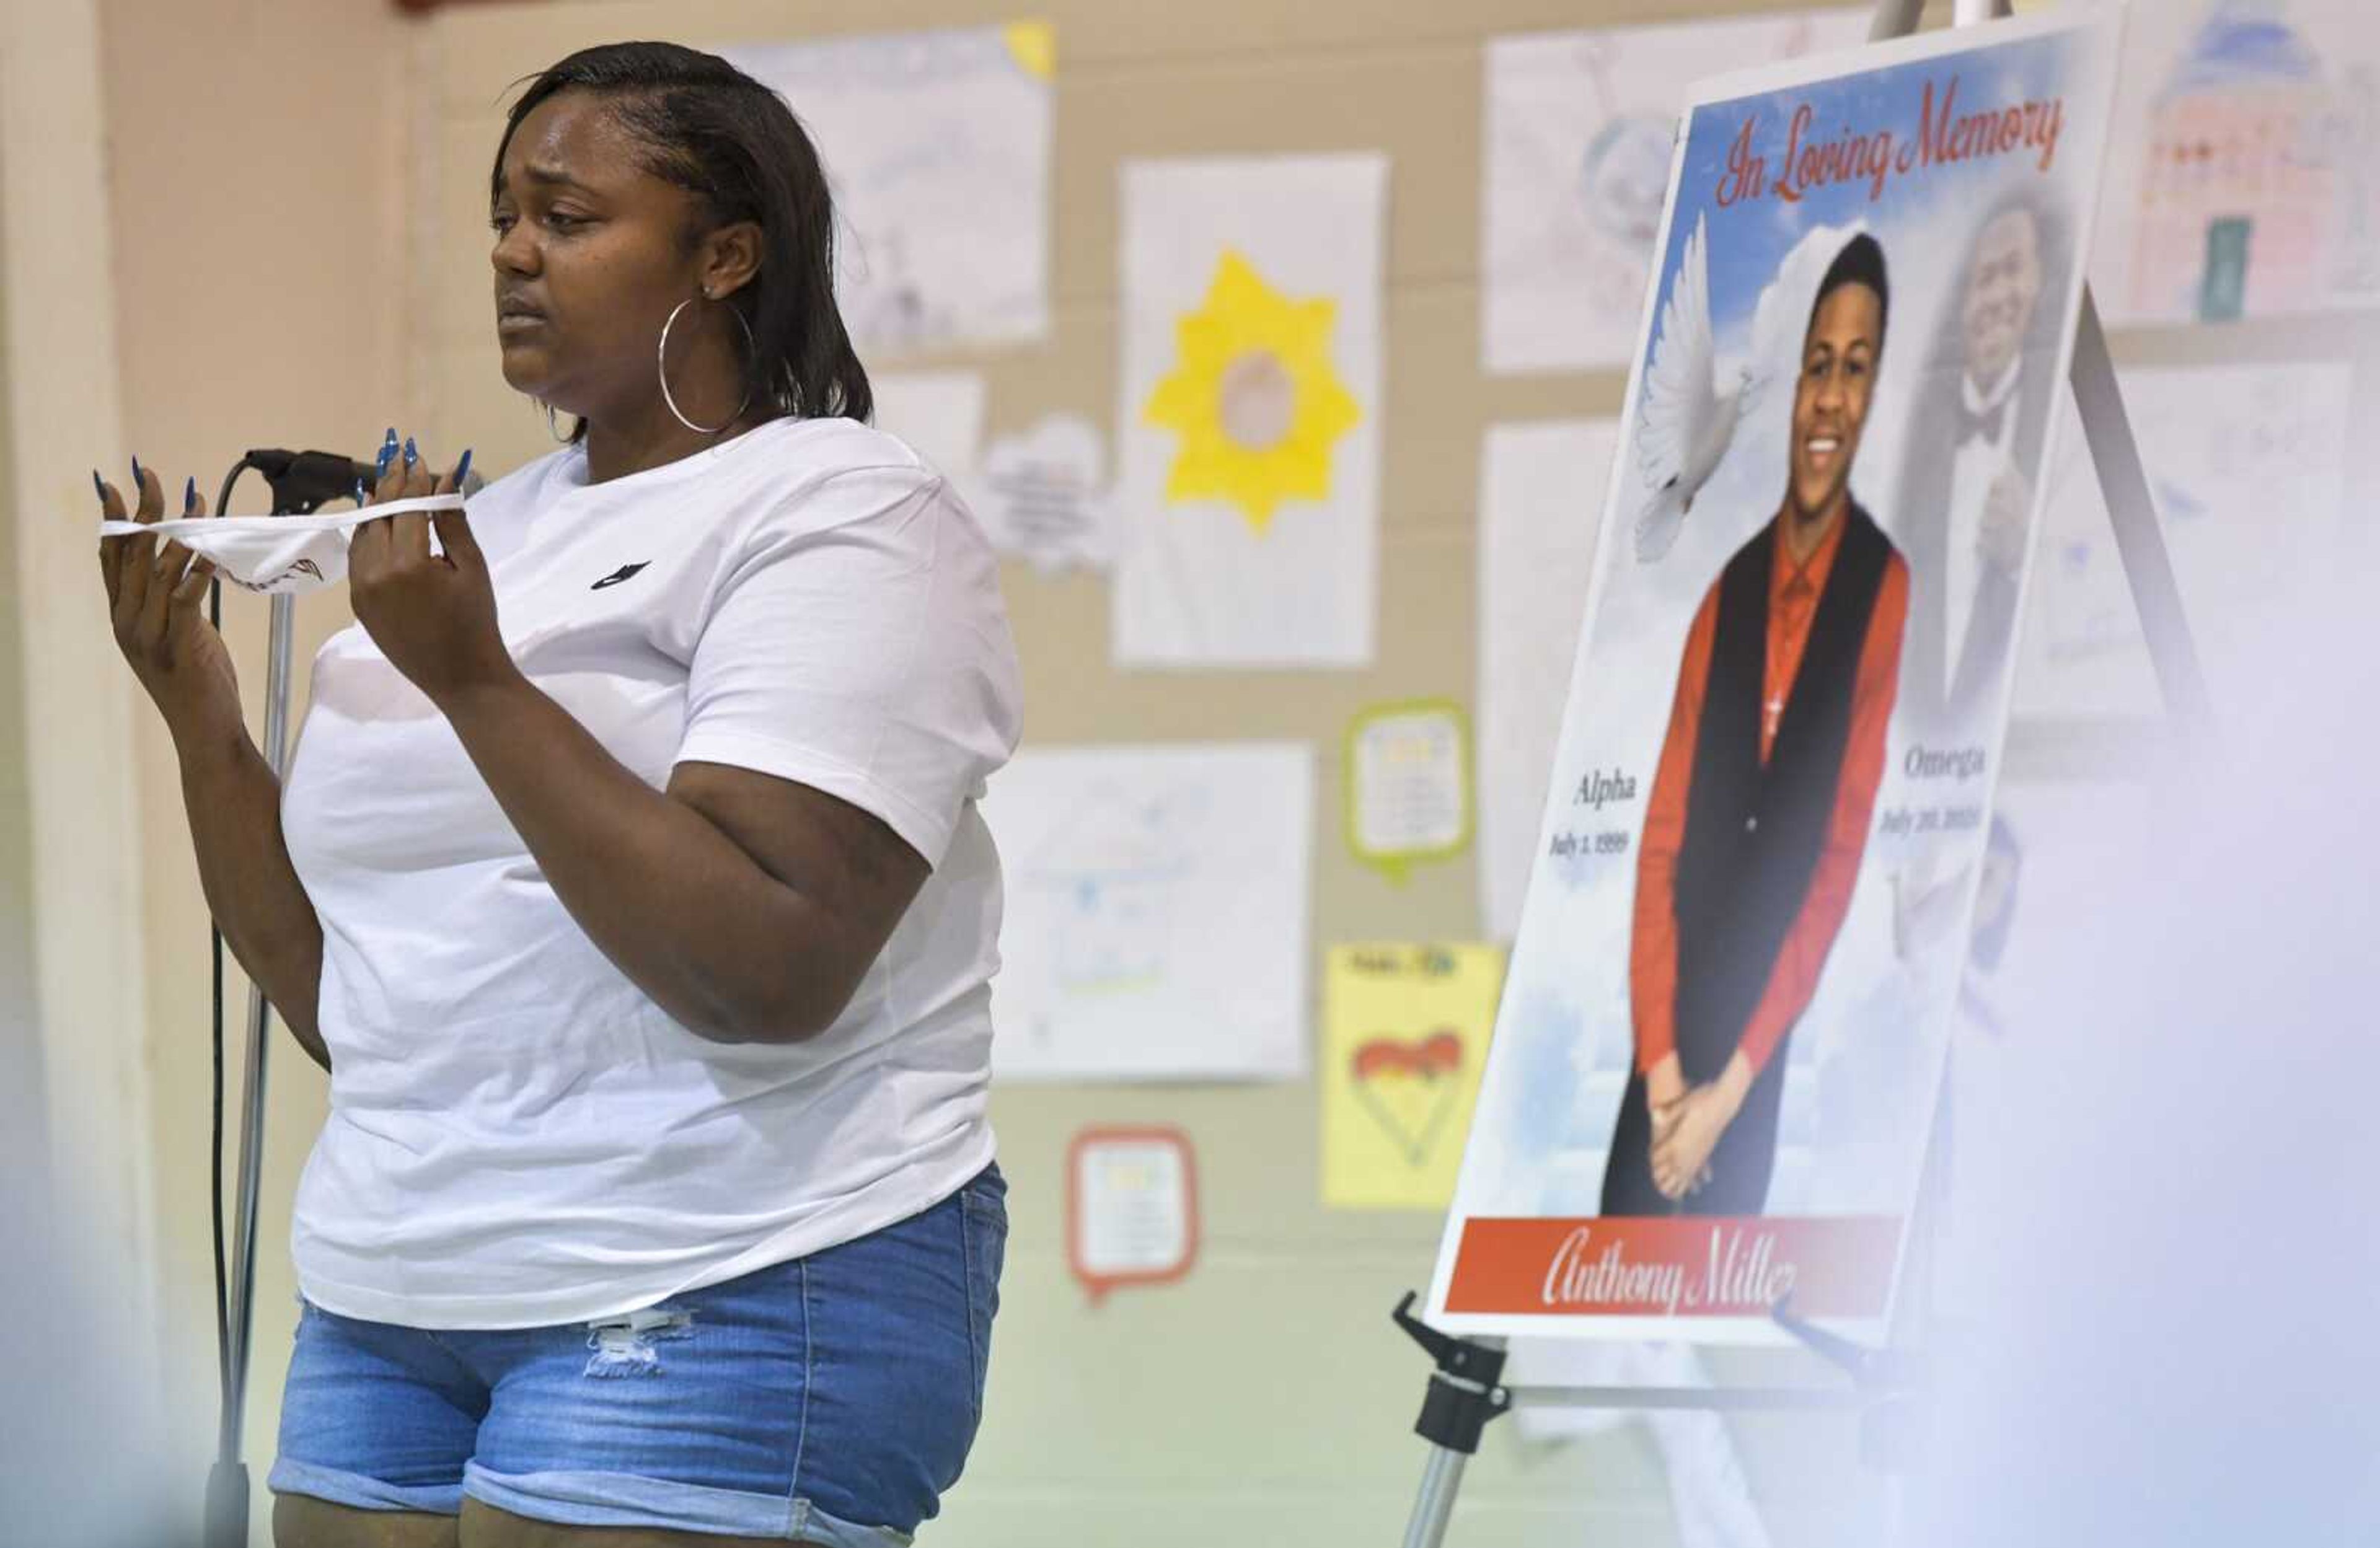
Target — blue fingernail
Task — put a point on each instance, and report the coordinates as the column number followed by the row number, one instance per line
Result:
column 387, row 450
column 98, row 486
column 360, row 491
column 462, row 467
column 410, row 455
column 390, row 439
column 190, row 494
column 135, row 473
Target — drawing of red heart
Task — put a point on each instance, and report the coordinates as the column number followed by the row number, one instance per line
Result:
column 1408, row 1086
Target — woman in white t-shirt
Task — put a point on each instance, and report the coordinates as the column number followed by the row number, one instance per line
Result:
column 628, row 880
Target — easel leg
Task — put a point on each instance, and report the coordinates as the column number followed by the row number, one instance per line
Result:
column 1894, row 19
column 2139, row 538
column 1434, row 1506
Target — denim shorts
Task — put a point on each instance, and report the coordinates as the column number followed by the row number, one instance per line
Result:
column 829, row 1399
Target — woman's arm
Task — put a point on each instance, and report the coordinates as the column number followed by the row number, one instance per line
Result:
column 746, row 906
column 229, row 793
column 233, row 802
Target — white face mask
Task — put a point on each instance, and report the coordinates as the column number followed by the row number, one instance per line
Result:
column 279, row 554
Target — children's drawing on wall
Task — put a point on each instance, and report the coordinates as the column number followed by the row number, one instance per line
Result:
column 1580, row 130
column 2247, row 467
column 2241, row 182
column 1404, row 1028
column 1541, row 493
column 1253, row 396
column 1248, row 412
column 923, row 134
column 1157, row 912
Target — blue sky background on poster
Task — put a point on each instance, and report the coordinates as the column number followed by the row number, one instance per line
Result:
column 1746, row 252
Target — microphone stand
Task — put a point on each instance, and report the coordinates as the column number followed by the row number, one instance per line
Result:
column 228, row 1484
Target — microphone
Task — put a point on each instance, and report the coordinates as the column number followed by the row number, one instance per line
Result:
column 303, row 480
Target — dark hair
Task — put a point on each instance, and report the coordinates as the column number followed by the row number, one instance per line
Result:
column 713, row 131
column 1860, row 262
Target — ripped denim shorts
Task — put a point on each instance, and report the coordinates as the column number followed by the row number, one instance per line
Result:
column 829, row 1399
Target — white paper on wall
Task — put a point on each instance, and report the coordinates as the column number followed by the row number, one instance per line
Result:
column 939, row 414
column 1577, row 141
column 936, row 146
column 1133, row 1207
column 2246, row 465
column 1044, row 495
column 1408, row 768
column 1248, row 426
column 1157, row 912
column 1541, row 492
column 2241, row 178
column 1560, row 1223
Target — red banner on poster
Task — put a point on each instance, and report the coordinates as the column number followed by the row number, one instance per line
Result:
column 1654, row 1267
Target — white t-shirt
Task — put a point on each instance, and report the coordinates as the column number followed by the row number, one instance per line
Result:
column 518, row 1136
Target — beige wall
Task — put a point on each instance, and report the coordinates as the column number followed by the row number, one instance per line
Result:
column 70, row 845
column 255, row 176
column 299, row 259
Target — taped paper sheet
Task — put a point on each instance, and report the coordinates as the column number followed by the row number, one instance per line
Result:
column 1578, row 135
column 1541, row 488
column 1408, row 784
column 1405, row 1031
column 936, row 146
column 940, row 415
column 1044, row 495
column 2240, row 180
column 1249, row 420
column 2247, row 466
column 1157, row 912
column 1131, row 1207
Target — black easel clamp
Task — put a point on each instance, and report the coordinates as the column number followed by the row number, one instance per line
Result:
column 1465, row 1391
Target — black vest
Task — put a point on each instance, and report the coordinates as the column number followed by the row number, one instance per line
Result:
column 1754, row 833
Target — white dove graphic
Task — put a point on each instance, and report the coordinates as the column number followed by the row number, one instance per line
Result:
column 1685, row 423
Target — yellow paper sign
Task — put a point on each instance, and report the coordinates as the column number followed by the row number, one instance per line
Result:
column 1404, row 1032
column 1034, row 46
column 1408, row 784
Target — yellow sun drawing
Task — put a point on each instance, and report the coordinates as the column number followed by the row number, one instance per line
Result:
column 1254, row 396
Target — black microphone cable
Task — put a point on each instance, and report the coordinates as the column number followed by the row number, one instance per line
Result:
column 227, row 1492
column 215, row 1127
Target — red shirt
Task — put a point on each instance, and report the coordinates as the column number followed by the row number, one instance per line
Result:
column 1793, row 592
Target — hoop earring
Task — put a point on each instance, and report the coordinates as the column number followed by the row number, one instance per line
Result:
column 661, row 362
column 551, row 427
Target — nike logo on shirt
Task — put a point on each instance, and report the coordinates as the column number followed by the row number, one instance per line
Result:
column 616, row 576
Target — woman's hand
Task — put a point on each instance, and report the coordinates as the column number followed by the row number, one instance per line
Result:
column 433, row 617
column 152, row 602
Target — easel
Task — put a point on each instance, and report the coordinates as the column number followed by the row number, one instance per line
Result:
column 1888, row 1385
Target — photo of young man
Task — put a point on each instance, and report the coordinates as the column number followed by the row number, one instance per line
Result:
column 1762, row 797
column 1973, row 457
